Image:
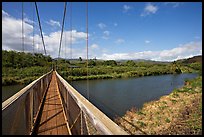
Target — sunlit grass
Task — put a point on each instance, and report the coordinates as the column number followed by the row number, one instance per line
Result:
column 177, row 113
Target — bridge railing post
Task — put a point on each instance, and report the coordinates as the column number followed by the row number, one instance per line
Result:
column 82, row 116
column 20, row 110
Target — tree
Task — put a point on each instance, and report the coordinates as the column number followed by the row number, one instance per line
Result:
column 80, row 59
column 110, row 63
column 130, row 63
column 92, row 63
column 175, row 68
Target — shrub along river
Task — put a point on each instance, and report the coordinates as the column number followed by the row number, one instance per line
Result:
column 116, row 96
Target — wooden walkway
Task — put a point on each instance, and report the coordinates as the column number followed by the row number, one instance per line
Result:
column 52, row 121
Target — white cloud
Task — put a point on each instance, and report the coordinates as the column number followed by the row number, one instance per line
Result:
column 27, row 20
column 149, row 9
column 101, row 25
column 147, row 41
column 12, row 34
column 107, row 33
column 197, row 37
column 174, row 4
column 115, row 24
column 12, row 38
column 136, row 55
column 4, row 13
column 53, row 39
column 119, row 41
column 94, row 46
column 94, row 51
column 184, row 51
column 126, row 8
column 105, row 37
column 53, row 23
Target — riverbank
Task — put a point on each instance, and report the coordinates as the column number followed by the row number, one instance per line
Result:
column 22, row 76
column 23, row 68
column 26, row 75
column 12, row 76
column 177, row 113
column 115, row 72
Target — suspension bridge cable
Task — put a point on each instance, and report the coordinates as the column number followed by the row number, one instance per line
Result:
column 71, row 35
column 70, row 50
column 87, row 49
column 65, row 42
column 22, row 28
column 117, row 115
column 40, row 27
column 62, row 27
column 33, row 26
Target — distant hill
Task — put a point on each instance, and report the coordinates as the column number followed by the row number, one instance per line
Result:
column 186, row 61
column 191, row 60
column 144, row 60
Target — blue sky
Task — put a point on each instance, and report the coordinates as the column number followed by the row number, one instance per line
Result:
column 163, row 31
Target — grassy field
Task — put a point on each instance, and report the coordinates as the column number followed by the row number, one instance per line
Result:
column 179, row 113
column 122, row 70
column 23, row 68
column 12, row 76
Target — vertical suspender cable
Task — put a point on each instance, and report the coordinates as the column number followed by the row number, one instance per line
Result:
column 40, row 27
column 87, row 49
column 33, row 26
column 38, row 42
column 65, row 5
column 71, row 35
column 22, row 29
column 65, row 42
column 62, row 28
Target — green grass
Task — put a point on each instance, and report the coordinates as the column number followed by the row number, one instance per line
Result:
column 167, row 120
column 177, row 113
column 12, row 76
column 192, row 86
column 20, row 67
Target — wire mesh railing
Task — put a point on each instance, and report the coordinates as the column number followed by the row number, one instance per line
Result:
column 20, row 111
column 83, row 117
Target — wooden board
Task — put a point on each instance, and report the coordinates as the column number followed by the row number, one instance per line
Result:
column 52, row 120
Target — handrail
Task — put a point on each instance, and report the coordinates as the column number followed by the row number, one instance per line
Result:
column 13, row 98
column 98, row 119
column 19, row 112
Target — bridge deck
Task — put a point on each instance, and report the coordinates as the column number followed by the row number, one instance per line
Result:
column 52, row 120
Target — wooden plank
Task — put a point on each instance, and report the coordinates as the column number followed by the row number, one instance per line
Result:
column 97, row 118
column 21, row 93
column 52, row 121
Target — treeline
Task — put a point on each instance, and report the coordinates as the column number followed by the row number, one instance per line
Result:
column 118, row 71
column 98, row 69
column 20, row 59
column 167, row 118
column 23, row 68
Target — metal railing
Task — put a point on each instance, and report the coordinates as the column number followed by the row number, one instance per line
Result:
column 83, row 118
column 20, row 111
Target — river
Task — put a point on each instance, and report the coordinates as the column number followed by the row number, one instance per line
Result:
column 8, row 91
column 116, row 96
